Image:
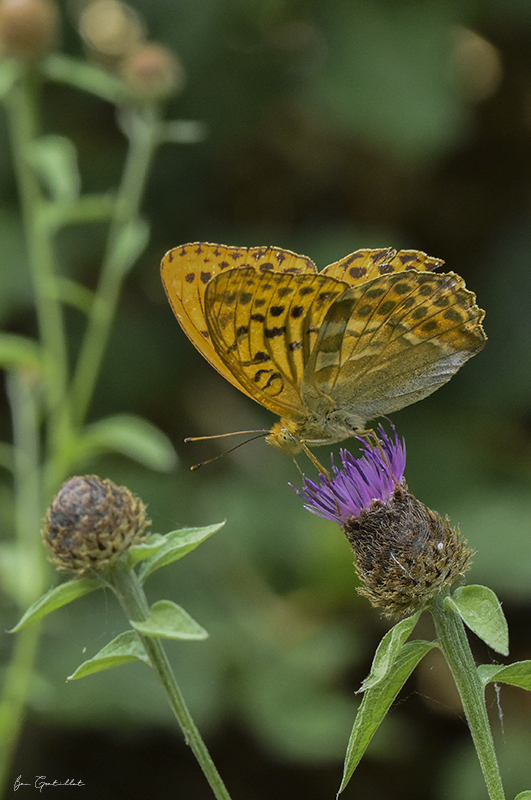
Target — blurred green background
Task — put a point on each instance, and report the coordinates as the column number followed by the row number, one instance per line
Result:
column 330, row 126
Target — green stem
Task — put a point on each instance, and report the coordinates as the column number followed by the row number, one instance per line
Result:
column 23, row 121
column 30, row 574
column 129, row 591
column 453, row 642
column 144, row 138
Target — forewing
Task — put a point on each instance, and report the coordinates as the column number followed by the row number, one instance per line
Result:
column 365, row 265
column 187, row 269
column 264, row 325
column 392, row 341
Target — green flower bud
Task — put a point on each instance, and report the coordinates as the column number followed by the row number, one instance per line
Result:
column 90, row 523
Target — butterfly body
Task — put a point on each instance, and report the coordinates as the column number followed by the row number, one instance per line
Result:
column 329, row 351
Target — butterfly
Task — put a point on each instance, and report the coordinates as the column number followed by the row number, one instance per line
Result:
column 326, row 351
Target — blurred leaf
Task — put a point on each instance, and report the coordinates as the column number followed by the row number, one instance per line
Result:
column 480, row 609
column 54, row 159
column 130, row 243
column 178, row 544
column 517, row 674
column 183, row 131
column 133, row 437
column 55, row 598
column 9, row 71
column 124, row 648
column 84, row 75
column 73, row 294
column 377, row 702
column 169, row 621
column 388, row 650
column 523, row 796
column 18, row 351
column 87, row 208
column 378, row 98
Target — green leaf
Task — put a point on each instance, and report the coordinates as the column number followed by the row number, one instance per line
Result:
column 54, row 159
column 169, row 621
column 84, row 75
column 88, row 208
column 139, row 552
column 18, row 351
column 124, row 648
column 523, row 796
column 9, row 72
column 183, row 131
column 388, row 650
column 129, row 245
column 132, row 436
column 55, row 598
column 517, row 674
column 480, row 609
column 178, row 544
column 73, row 294
column 377, row 702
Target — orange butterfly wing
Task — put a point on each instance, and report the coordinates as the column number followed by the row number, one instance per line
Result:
column 186, row 271
column 364, row 265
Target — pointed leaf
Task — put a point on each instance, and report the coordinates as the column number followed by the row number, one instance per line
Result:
column 88, row 208
column 74, row 294
column 130, row 244
column 388, row 650
column 124, row 648
column 480, row 609
column 517, row 674
column 377, row 702
column 139, row 552
column 18, row 351
column 183, row 131
column 55, row 598
column 54, row 159
column 132, row 436
column 178, row 544
column 169, row 621
column 85, row 75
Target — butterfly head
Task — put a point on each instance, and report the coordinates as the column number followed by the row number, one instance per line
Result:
column 284, row 435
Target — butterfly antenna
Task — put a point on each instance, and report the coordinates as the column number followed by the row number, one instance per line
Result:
column 222, row 436
column 226, row 452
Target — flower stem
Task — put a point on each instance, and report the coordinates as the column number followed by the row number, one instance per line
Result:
column 143, row 140
column 129, row 591
column 30, row 574
column 24, row 128
column 453, row 641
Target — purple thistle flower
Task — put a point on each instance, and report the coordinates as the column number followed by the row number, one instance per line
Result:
column 359, row 481
column 405, row 554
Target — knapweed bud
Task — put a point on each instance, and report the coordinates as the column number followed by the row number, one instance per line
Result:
column 152, row 71
column 405, row 553
column 29, row 29
column 90, row 523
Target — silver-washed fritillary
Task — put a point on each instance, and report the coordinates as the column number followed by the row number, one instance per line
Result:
column 326, row 351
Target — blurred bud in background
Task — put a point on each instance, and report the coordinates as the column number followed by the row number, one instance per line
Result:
column 29, row 29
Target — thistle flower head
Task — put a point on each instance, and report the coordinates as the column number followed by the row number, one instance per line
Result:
column 359, row 481
column 90, row 523
column 405, row 554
